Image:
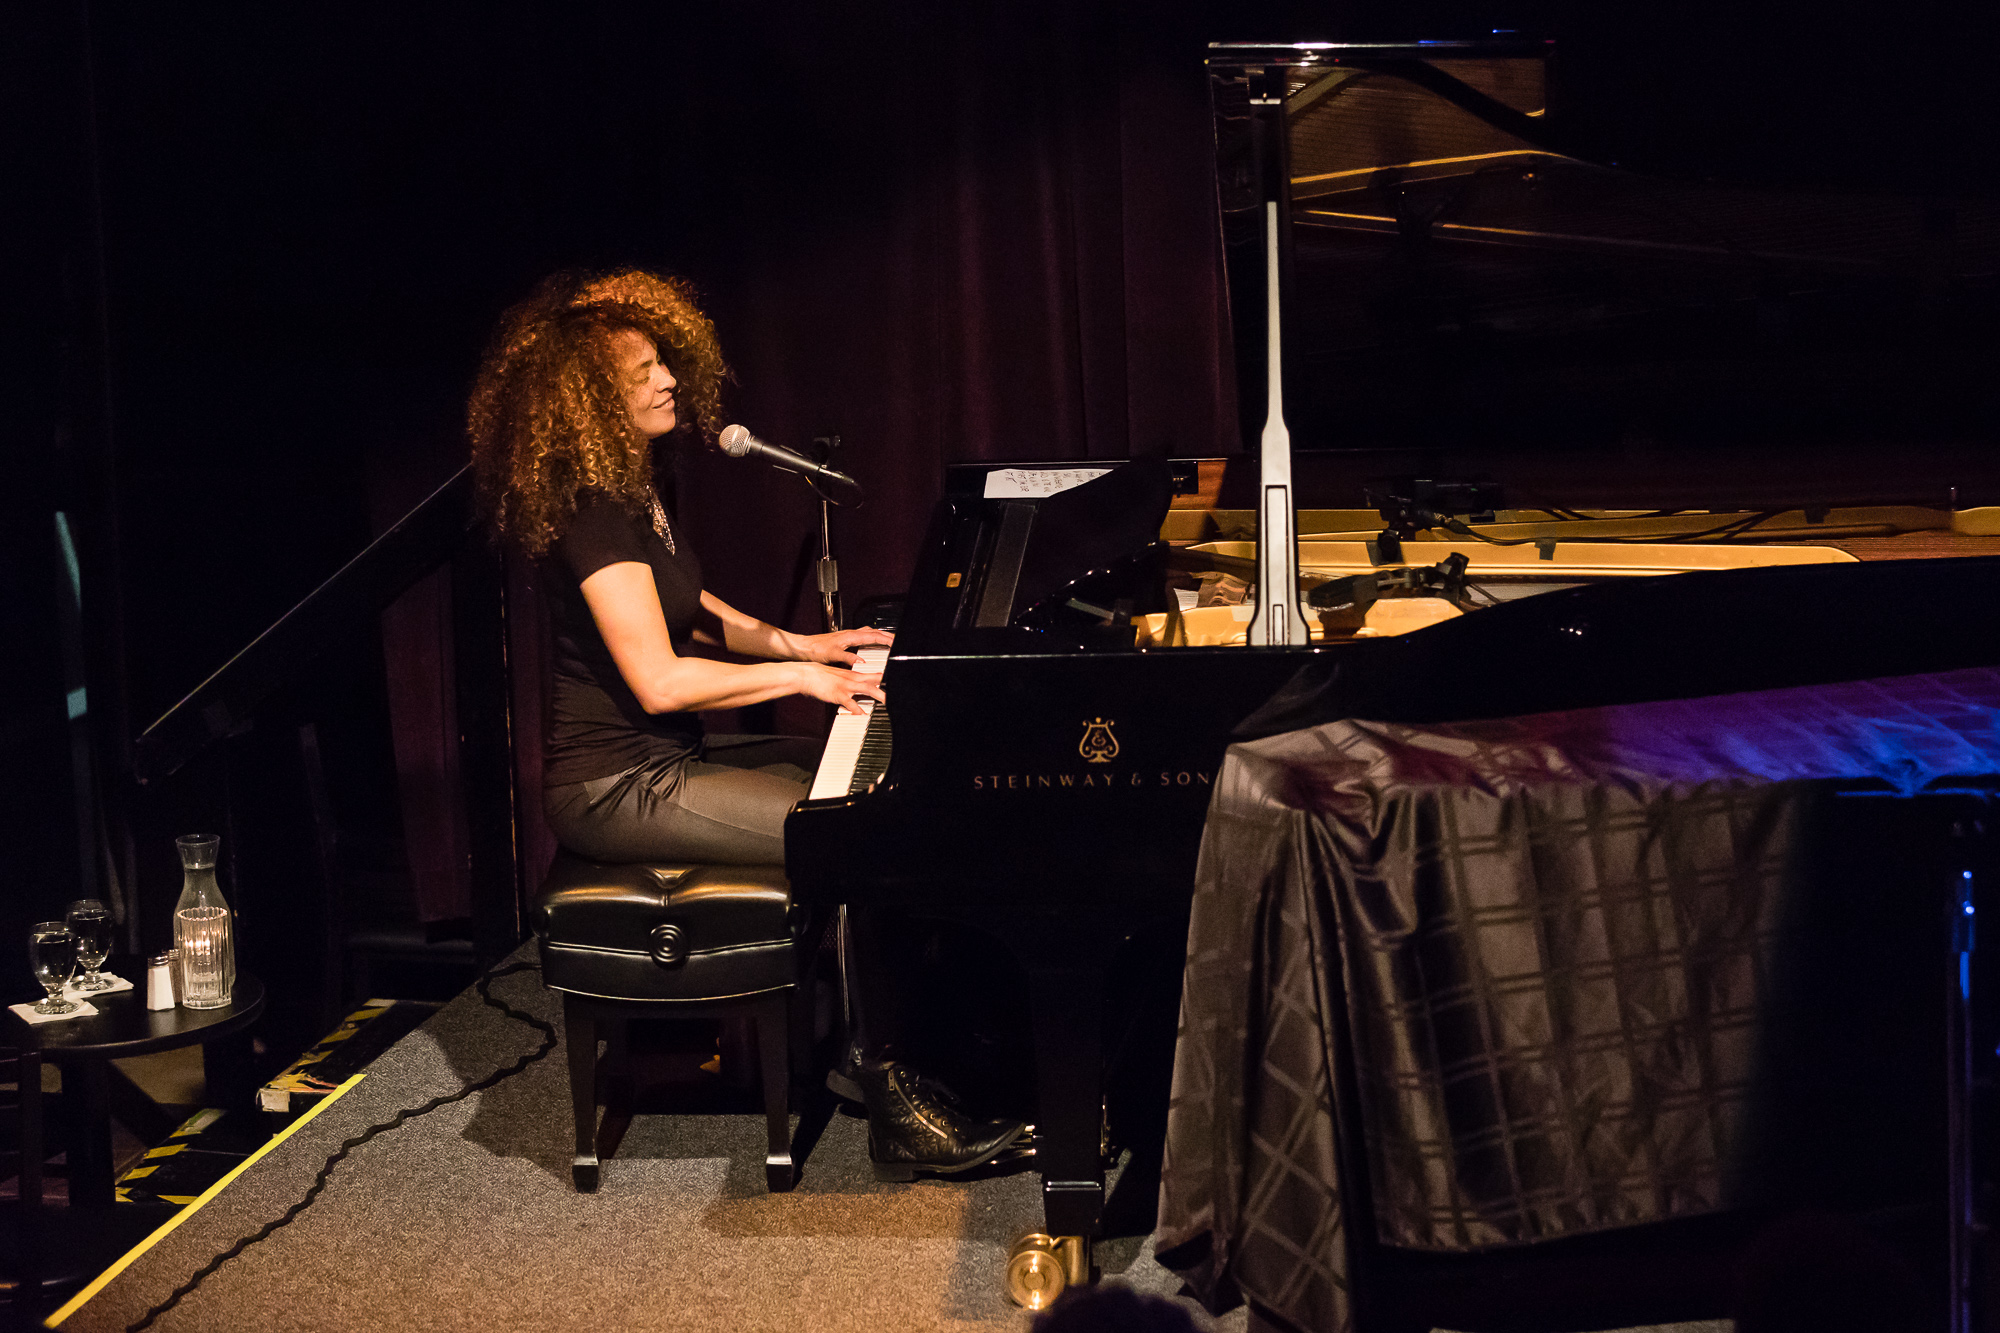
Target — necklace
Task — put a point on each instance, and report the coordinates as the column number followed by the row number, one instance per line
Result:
column 660, row 524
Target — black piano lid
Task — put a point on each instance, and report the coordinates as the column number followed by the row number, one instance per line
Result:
column 1093, row 526
column 1471, row 293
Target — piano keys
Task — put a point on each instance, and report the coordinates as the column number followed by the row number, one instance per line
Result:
column 857, row 745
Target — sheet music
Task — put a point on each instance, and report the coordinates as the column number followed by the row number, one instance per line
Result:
column 1038, row 483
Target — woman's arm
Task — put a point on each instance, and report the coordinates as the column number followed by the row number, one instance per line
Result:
column 723, row 626
column 720, row 625
column 626, row 607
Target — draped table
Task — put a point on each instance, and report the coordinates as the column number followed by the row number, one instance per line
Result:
column 1569, row 973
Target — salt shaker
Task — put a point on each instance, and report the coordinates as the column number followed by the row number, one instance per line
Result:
column 160, row 981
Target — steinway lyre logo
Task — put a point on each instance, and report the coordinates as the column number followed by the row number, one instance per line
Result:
column 1098, row 745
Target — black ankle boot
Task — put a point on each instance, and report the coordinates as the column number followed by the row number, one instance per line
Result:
column 910, row 1129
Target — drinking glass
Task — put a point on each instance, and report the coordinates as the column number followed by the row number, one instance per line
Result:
column 91, row 920
column 52, row 953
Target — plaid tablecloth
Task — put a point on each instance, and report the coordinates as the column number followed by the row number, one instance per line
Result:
column 1560, row 958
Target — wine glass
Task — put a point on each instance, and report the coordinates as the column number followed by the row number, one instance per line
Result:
column 52, row 953
column 91, row 920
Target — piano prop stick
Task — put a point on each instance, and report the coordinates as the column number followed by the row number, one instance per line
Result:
column 1278, row 621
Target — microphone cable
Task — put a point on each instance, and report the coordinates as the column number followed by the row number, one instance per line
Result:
column 548, row 1031
column 1734, row 527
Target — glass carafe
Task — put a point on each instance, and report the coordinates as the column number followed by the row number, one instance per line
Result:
column 203, row 927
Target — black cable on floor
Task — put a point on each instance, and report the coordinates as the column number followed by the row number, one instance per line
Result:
column 548, row 1031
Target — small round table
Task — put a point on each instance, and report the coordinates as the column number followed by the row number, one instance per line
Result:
column 84, row 1048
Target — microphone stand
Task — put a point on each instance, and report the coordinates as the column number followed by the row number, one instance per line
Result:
column 829, row 568
column 843, row 935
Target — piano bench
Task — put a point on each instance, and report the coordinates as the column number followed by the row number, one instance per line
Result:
column 672, row 940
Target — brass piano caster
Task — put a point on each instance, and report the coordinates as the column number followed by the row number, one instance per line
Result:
column 1041, row 1266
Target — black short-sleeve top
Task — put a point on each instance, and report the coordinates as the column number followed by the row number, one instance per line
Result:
column 596, row 726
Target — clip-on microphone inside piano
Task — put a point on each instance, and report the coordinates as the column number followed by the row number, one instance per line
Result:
column 1343, row 603
column 1409, row 505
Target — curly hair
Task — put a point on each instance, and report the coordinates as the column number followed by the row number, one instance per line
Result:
column 548, row 412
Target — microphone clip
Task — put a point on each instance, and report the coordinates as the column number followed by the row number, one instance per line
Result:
column 821, row 451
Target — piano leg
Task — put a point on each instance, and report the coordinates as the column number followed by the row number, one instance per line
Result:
column 1067, row 996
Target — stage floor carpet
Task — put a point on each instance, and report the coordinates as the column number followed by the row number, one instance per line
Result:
column 465, row 1219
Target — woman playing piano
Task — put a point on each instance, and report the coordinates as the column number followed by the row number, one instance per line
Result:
column 580, row 380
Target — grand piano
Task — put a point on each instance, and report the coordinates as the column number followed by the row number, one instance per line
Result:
column 1524, row 431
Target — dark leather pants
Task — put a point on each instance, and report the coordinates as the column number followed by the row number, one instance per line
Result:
column 727, row 807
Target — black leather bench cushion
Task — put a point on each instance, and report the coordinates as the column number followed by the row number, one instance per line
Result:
column 665, row 931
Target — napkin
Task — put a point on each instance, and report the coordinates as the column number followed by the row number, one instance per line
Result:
column 84, row 1009
column 74, row 992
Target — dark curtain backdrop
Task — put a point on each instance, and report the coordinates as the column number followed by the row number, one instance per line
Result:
column 940, row 232
column 986, row 234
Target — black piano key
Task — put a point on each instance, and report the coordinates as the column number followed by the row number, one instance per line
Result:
column 873, row 760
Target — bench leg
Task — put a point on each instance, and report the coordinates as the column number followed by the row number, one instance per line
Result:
column 580, row 1033
column 774, row 1044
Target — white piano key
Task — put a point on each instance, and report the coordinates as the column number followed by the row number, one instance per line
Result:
column 843, row 743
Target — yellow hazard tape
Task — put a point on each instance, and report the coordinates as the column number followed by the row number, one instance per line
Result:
column 291, row 1082
column 103, row 1280
column 295, row 1079
column 166, row 1150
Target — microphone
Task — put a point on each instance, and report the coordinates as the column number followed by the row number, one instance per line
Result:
column 738, row 442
